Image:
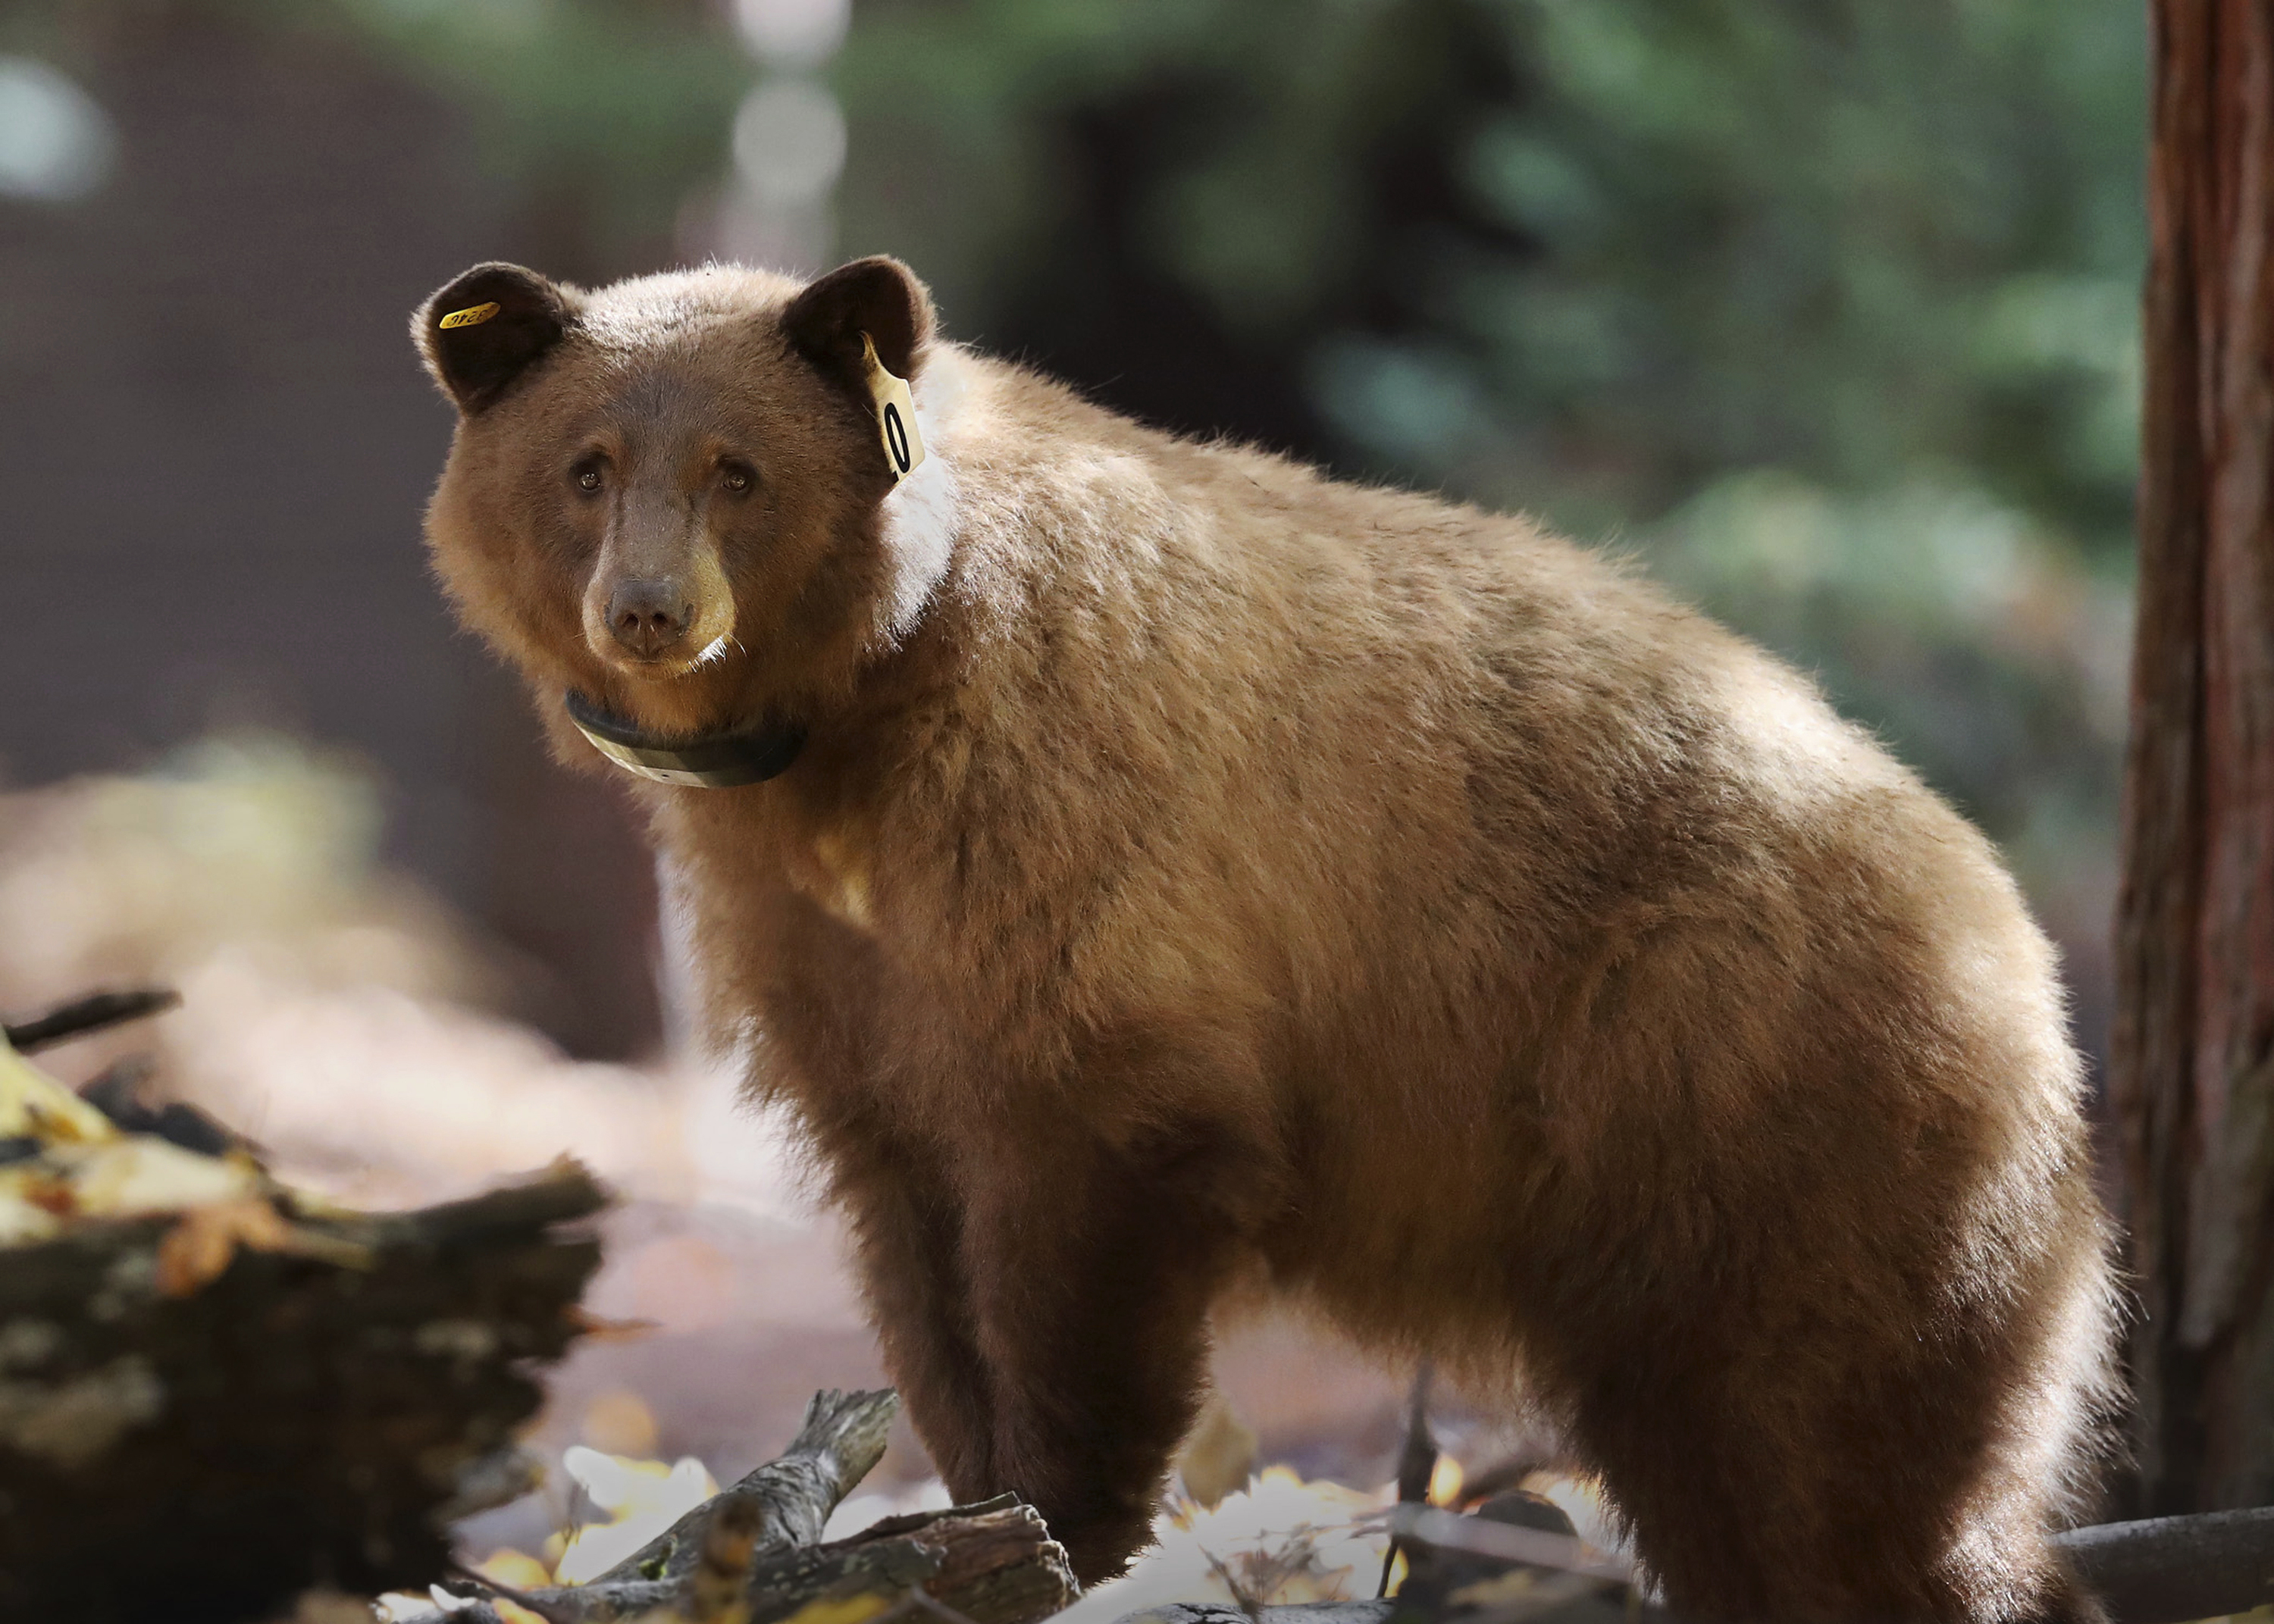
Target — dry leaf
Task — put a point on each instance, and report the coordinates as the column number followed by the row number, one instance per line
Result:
column 141, row 1175
column 197, row 1249
column 600, row 1330
column 840, row 1609
column 516, row 1569
column 33, row 1104
column 1219, row 1457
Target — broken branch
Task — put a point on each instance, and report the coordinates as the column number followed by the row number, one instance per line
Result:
column 92, row 1013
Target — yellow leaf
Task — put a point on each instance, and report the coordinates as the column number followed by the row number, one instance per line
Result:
column 33, row 1104
column 516, row 1568
column 1219, row 1456
column 141, row 1175
column 1445, row 1480
column 199, row 1248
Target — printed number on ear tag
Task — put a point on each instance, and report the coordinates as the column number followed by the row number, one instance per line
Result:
column 896, row 414
column 472, row 318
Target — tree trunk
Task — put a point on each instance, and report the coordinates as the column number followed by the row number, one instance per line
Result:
column 2192, row 1061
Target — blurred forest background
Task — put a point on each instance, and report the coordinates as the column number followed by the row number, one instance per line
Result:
column 1825, row 309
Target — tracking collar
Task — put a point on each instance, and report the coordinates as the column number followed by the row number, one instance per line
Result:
column 705, row 761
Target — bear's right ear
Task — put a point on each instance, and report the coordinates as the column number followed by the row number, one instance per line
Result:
column 878, row 296
column 481, row 331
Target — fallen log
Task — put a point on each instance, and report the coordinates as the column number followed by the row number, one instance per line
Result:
column 2165, row 1570
column 205, row 1413
column 840, row 1439
column 993, row 1563
column 990, row 1563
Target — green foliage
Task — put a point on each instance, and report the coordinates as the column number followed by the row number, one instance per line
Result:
column 1828, row 305
column 611, row 109
column 1842, row 236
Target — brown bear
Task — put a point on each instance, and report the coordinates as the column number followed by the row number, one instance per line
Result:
column 1147, row 868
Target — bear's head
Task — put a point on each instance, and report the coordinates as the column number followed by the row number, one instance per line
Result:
column 664, row 498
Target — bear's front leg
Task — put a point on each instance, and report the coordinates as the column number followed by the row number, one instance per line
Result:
column 907, row 1234
column 1092, row 1268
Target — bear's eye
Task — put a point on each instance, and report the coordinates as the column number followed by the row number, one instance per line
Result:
column 737, row 476
column 588, row 474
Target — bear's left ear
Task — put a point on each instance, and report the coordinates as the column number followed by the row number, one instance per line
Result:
column 482, row 331
column 879, row 296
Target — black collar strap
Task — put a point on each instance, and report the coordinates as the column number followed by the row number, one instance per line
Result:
column 707, row 760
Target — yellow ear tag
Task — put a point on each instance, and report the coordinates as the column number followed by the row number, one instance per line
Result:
column 473, row 318
column 896, row 414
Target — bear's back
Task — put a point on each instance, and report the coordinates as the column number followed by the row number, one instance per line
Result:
column 1293, row 756
column 1368, row 699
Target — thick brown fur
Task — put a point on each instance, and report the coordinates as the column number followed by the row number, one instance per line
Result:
column 1203, row 870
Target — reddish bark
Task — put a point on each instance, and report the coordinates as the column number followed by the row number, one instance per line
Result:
column 2192, row 1066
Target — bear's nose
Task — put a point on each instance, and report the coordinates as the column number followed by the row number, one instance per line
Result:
column 648, row 616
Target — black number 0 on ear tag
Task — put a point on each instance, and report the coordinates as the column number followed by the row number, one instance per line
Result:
column 896, row 414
